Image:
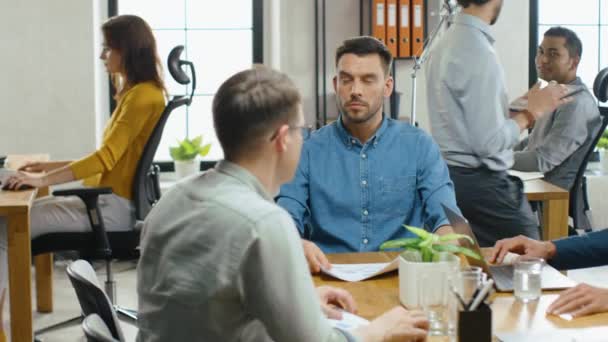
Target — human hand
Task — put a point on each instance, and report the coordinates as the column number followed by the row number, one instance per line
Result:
column 332, row 299
column 547, row 99
column 21, row 180
column 398, row 324
column 315, row 257
column 580, row 300
column 523, row 245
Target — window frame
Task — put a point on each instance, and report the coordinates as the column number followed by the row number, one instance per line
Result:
column 257, row 54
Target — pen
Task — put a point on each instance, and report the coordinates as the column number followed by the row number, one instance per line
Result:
column 482, row 294
column 458, row 297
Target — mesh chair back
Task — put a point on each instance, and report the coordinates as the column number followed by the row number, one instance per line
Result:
column 91, row 297
column 146, row 189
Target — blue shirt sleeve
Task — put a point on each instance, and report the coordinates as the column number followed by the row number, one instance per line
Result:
column 294, row 196
column 588, row 250
column 434, row 184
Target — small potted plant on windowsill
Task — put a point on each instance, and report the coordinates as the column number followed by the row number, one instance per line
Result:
column 184, row 155
column 427, row 255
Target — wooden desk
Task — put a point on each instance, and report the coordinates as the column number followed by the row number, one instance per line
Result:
column 555, row 207
column 377, row 295
column 15, row 208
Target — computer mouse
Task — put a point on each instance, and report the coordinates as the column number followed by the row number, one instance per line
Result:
column 21, row 187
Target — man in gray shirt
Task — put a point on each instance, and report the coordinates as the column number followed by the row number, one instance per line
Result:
column 220, row 261
column 558, row 142
column 476, row 132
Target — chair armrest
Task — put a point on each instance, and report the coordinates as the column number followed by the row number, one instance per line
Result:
column 90, row 197
column 83, row 192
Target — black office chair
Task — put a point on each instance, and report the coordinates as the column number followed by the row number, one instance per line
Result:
column 96, row 330
column 579, row 203
column 123, row 245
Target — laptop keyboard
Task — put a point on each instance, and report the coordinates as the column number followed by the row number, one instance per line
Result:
column 503, row 276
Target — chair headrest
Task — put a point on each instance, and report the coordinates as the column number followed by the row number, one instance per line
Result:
column 175, row 66
column 600, row 85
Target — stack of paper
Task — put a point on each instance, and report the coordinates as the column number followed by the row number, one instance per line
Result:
column 526, row 176
column 357, row 272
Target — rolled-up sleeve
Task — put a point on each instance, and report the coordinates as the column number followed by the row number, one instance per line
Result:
column 568, row 132
column 434, row 184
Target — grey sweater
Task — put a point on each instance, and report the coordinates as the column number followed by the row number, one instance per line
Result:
column 559, row 140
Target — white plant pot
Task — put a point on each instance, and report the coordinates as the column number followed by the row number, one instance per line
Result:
column 604, row 160
column 185, row 168
column 413, row 275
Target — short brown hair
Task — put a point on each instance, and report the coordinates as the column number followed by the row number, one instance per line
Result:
column 250, row 105
column 366, row 45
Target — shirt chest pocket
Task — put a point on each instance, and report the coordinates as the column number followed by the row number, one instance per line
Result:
column 397, row 194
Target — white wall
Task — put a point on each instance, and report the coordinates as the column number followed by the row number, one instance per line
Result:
column 297, row 49
column 49, row 71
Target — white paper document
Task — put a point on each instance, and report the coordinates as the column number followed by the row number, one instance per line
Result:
column 357, row 272
column 349, row 321
column 526, row 176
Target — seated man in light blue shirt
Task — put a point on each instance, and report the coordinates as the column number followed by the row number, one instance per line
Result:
column 364, row 176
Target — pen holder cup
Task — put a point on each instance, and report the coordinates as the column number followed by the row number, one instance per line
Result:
column 475, row 326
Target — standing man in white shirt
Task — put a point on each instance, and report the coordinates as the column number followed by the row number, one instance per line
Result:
column 475, row 130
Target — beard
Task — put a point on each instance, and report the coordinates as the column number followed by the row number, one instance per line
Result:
column 496, row 12
column 359, row 119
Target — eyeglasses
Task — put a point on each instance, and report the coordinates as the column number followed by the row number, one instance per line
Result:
column 304, row 130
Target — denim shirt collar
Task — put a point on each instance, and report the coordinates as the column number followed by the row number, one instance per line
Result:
column 243, row 175
column 475, row 22
column 349, row 140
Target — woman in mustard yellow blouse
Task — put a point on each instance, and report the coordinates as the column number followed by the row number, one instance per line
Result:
column 130, row 56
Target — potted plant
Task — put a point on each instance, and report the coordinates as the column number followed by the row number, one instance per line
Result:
column 602, row 147
column 428, row 259
column 184, row 155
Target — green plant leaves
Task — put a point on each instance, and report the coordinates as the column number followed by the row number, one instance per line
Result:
column 188, row 149
column 429, row 244
column 456, row 249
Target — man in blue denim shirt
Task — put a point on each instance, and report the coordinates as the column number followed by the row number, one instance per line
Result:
column 363, row 176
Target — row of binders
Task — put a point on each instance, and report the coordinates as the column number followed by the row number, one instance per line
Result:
column 400, row 25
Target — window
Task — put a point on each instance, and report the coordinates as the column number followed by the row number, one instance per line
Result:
column 220, row 38
column 589, row 19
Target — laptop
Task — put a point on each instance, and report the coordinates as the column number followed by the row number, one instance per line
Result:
column 551, row 279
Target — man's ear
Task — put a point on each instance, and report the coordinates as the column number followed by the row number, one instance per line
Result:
column 282, row 139
column 389, row 84
column 575, row 62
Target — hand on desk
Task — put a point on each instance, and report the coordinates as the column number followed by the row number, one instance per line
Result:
column 523, row 245
column 332, row 299
column 315, row 257
column 21, row 181
column 397, row 324
column 580, row 300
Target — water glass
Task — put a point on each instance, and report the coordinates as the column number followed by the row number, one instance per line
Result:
column 527, row 279
column 470, row 278
column 436, row 300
